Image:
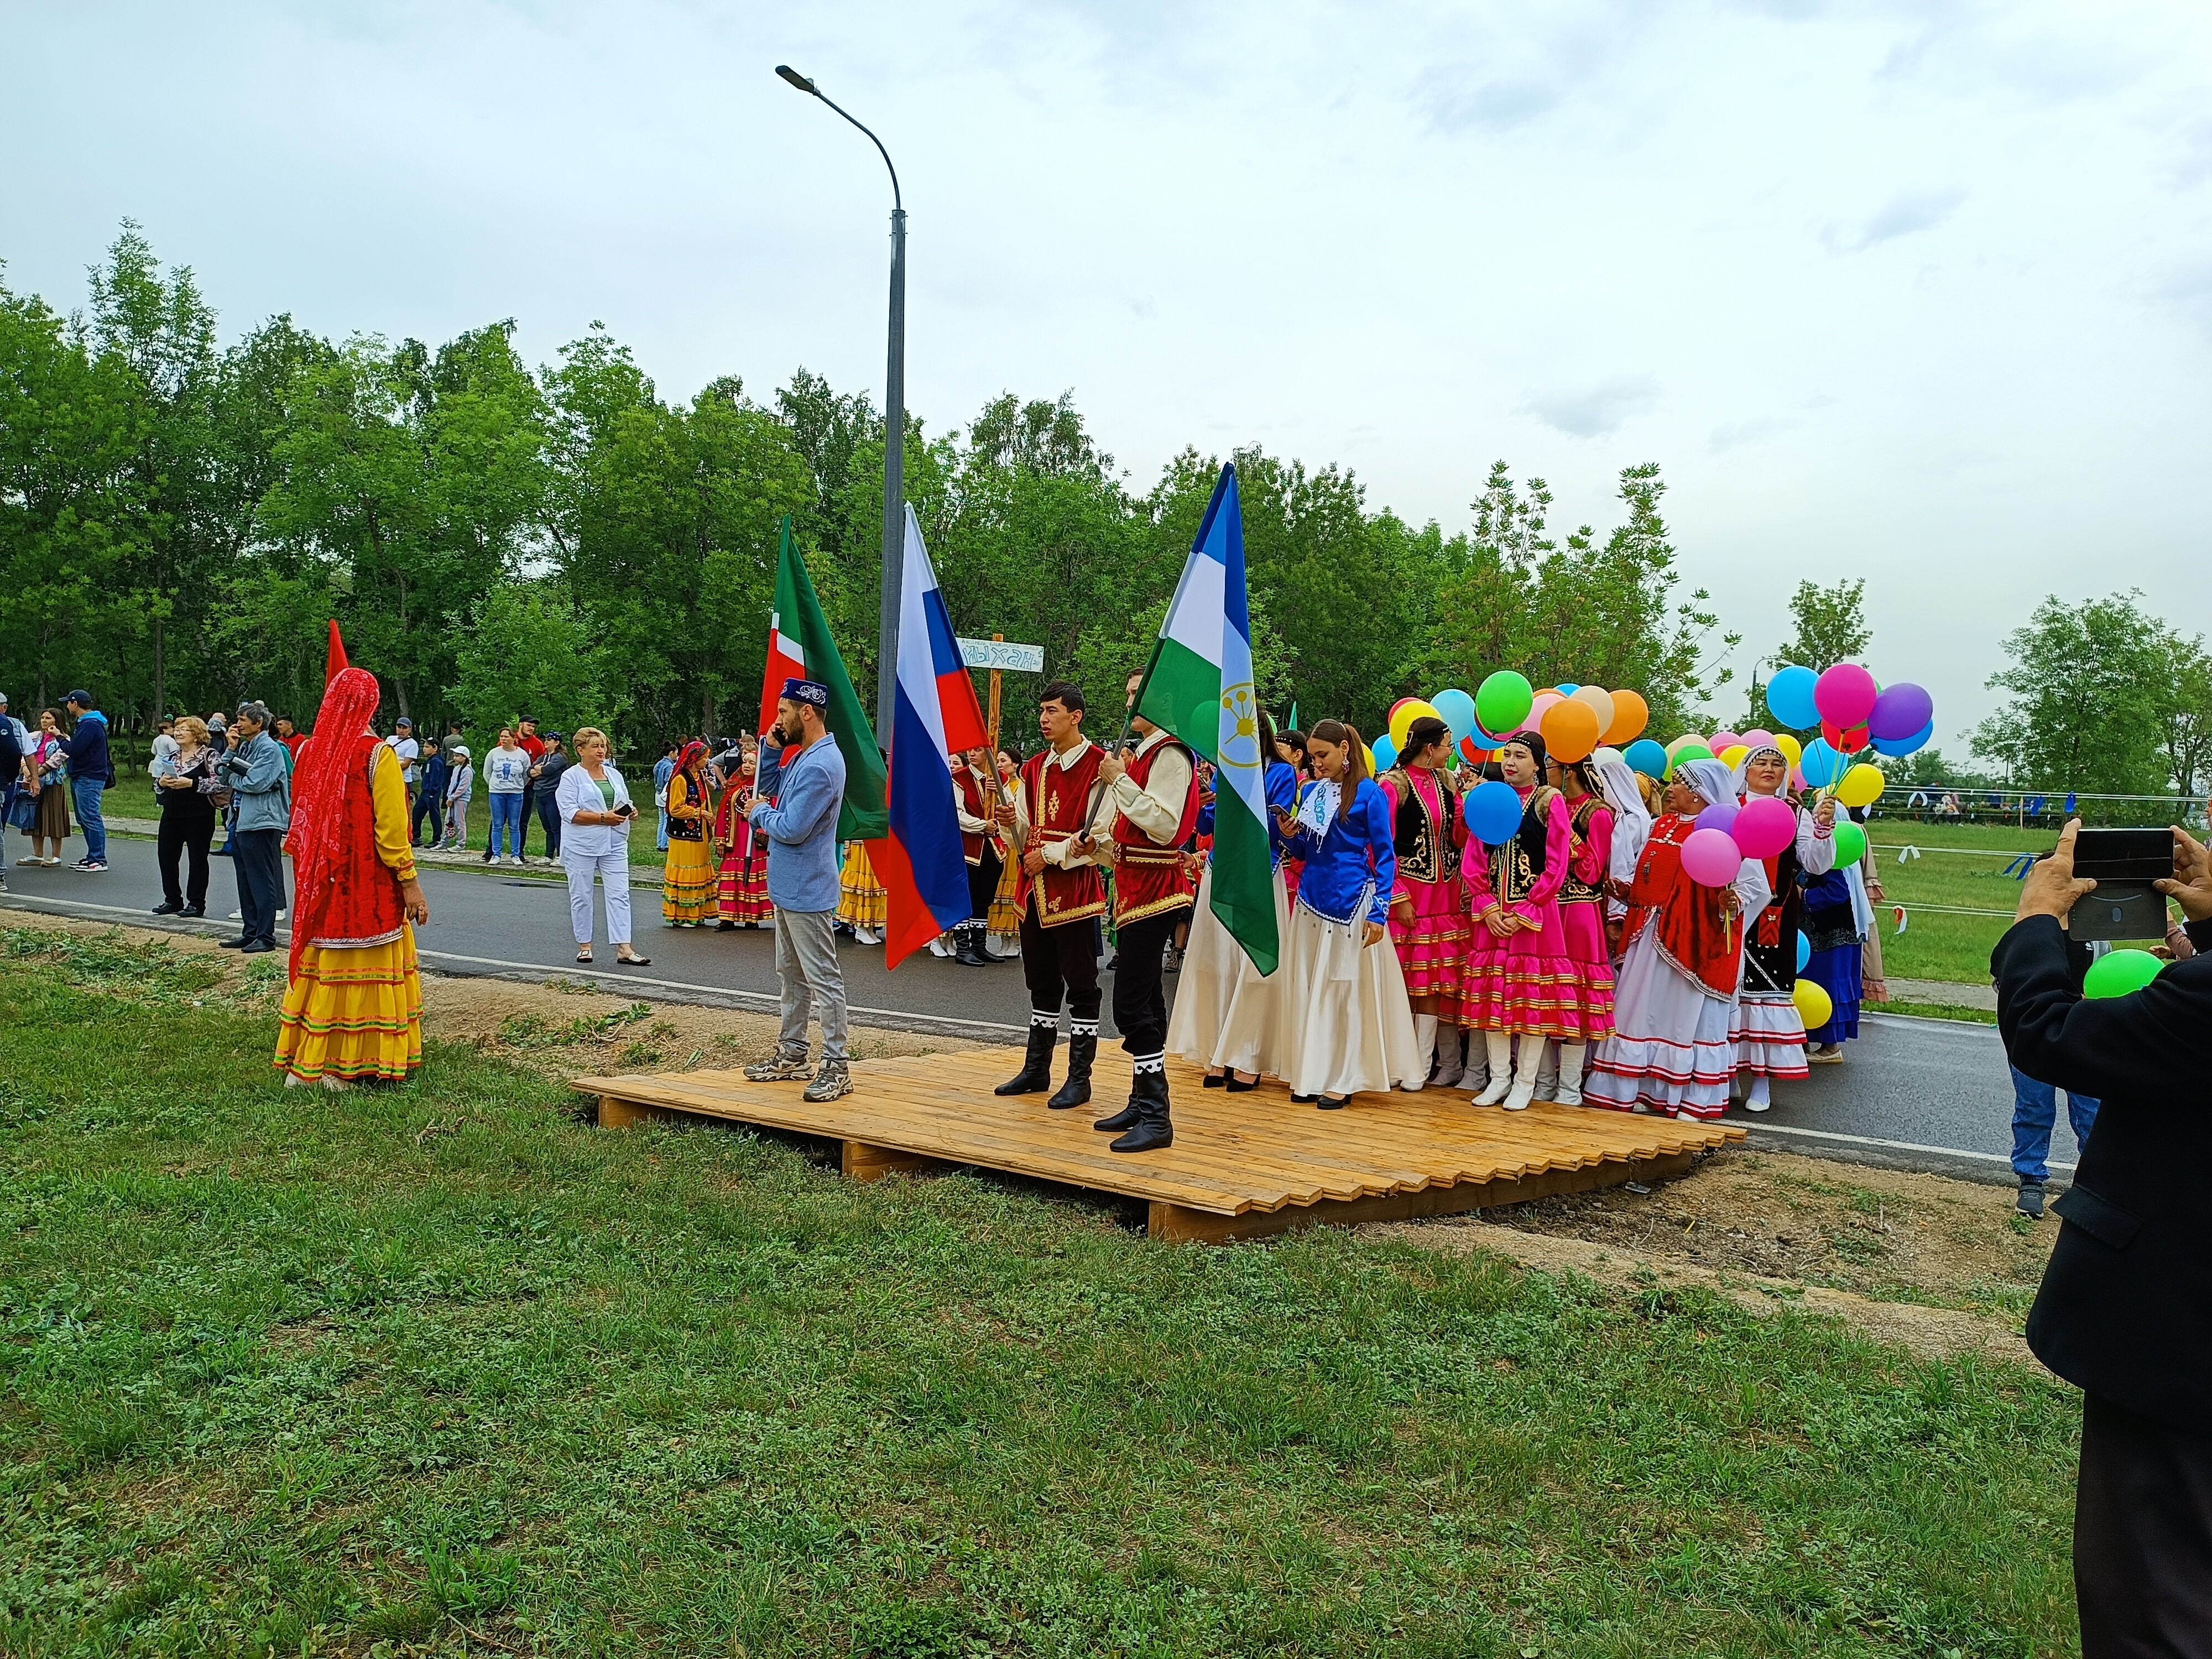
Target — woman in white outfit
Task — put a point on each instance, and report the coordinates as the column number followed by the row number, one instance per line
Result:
column 595, row 815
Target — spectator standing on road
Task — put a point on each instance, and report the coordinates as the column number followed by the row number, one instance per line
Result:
column 408, row 750
column 806, row 780
column 45, row 775
column 546, row 776
column 507, row 777
column 460, row 785
column 13, row 779
column 596, row 811
column 92, row 774
column 261, row 793
column 164, row 748
column 11, row 768
column 663, row 769
column 2125, row 1312
column 526, row 739
column 292, row 737
column 186, row 790
column 430, row 798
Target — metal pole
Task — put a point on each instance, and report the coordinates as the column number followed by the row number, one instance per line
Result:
column 894, row 488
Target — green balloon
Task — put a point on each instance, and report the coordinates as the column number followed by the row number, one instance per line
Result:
column 1689, row 751
column 2119, row 972
column 1502, row 700
column 1851, row 843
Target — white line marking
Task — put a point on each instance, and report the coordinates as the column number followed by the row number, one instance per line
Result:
column 1893, row 1145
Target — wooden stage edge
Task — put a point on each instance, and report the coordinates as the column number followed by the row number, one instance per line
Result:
column 1242, row 1166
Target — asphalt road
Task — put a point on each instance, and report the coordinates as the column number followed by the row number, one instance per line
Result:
column 1912, row 1093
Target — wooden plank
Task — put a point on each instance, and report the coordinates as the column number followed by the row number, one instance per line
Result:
column 1171, row 1221
column 866, row 1163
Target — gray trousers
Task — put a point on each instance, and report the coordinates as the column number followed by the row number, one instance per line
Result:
column 806, row 963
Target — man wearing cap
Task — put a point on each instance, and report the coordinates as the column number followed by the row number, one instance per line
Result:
column 799, row 788
column 527, row 740
column 92, row 775
column 406, row 751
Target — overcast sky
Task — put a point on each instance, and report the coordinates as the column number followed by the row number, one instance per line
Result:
column 1919, row 292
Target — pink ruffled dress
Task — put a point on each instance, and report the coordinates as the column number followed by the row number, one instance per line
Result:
column 1527, row 981
column 1582, row 911
column 1431, row 942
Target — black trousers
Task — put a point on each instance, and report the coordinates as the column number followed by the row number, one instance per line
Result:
column 2142, row 1536
column 982, row 885
column 426, row 806
column 1060, row 962
column 258, row 855
column 1141, row 1001
column 187, row 826
column 549, row 814
column 529, row 811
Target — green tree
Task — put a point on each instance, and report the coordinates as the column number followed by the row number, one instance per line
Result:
column 2185, row 712
column 2088, row 684
column 528, row 649
column 1828, row 626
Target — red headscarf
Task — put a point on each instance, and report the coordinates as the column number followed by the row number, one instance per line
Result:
column 690, row 766
column 324, row 817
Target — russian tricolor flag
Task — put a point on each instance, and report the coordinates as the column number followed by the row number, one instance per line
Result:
column 937, row 716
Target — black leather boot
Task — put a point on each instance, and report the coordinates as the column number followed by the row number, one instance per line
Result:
column 1082, row 1047
column 1036, row 1075
column 970, row 953
column 1127, row 1118
column 1152, row 1129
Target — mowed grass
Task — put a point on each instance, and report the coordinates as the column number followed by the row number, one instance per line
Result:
column 1937, row 945
column 442, row 1368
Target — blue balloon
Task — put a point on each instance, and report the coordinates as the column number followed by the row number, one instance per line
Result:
column 1646, row 756
column 1824, row 768
column 1386, row 752
column 1493, row 812
column 1568, row 688
column 1456, row 709
column 1912, row 744
column 1804, row 952
column 1789, row 699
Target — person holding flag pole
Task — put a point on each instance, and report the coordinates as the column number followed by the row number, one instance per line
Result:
column 1196, row 698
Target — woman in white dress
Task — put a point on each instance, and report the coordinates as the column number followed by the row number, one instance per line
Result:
column 1345, row 1025
column 1768, row 1031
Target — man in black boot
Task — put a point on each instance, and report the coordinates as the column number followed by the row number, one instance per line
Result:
column 1061, row 892
column 1155, row 804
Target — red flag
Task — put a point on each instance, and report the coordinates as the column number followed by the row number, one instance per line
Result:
column 335, row 663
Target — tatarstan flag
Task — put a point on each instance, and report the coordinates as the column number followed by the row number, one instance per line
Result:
column 800, row 647
column 1199, row 686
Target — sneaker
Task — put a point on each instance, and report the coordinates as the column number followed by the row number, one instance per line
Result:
column 90, row 866
column 2030, row 1203
column 832, row 1082
column 783, row 1068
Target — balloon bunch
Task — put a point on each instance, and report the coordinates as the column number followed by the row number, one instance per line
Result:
column 1852, row 710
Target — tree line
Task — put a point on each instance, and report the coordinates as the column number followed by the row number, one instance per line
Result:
column 180, row 517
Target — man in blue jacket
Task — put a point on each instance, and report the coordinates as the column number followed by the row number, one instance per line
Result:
column 92, row 774
column 804, row 778
column 261, row 789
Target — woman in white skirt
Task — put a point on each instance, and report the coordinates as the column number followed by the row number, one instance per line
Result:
column 1669, row 1051
column 1345, row 1023
column 1769, row 1033
column 1225, row 1012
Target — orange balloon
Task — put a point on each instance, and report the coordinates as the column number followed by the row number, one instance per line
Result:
column 1631, row 714
column 1570, row 730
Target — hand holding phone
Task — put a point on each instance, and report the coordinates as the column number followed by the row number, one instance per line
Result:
column 625, row 810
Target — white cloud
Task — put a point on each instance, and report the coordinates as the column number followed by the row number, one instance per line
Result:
column 1592, row 411
column 1903, row 214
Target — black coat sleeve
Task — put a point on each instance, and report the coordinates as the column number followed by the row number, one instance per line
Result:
column 2155, row 1044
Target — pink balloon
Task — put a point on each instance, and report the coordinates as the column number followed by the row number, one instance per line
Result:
column 1721, row 742
column 1710, row 859
column 1845, row 694
column 1758, row 738
column 1766, row 824
column 1544, row 700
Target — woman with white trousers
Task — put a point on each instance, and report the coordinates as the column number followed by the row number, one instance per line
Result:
column 595, row 815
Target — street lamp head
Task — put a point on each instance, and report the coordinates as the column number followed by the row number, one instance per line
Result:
column 796, row 79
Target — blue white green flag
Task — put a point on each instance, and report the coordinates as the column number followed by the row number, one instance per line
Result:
column 1199, row 687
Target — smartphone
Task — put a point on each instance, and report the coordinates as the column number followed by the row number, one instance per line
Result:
column 625, row 810
column 2124, row 863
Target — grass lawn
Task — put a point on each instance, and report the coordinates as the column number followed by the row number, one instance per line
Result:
column 442, row 1368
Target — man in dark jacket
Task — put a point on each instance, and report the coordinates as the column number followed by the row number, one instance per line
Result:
column 2126, row 1310
column 92, row 775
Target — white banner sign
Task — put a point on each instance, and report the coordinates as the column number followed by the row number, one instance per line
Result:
column 1003, row 654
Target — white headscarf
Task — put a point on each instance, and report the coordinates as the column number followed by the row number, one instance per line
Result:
column 1740, row 780
column 1710, row 779
column 1632, row 820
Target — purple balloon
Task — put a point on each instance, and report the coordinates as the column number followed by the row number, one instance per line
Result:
column 1899, row 712
column 1720, row 816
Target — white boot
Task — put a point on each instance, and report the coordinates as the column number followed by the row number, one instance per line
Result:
column 1524, row 1074
column 1758, row 1100
column 1451, row 1055
column 1425, row 1043
column 1572, row 1057
column 1499, row 1044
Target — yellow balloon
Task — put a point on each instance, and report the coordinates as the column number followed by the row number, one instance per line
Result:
column 1408, row 713
column 1792, row 750
column 1732, row 756
column 1861, row 786
column 1600, row 701
column 1373, row 770
column 1814, row 1006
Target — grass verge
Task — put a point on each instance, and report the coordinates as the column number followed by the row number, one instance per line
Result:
column 442, row 1368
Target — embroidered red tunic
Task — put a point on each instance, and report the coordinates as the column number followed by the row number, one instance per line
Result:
column 1059, row 801
column 1149, row 879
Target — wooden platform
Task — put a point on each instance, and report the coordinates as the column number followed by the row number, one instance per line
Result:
column 1242, row 1165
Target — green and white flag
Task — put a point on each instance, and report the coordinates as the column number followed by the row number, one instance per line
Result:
column 1199, row 686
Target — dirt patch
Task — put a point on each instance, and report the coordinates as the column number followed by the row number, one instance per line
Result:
column 1941, row 1265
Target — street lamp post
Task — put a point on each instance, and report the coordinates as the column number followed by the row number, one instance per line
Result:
column 894, row 435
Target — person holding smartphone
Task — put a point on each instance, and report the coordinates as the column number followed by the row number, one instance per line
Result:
column 595, row 814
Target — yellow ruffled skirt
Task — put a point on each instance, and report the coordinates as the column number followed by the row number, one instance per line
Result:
column 687, row 884
column 861, row 900
column 353, row 1014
